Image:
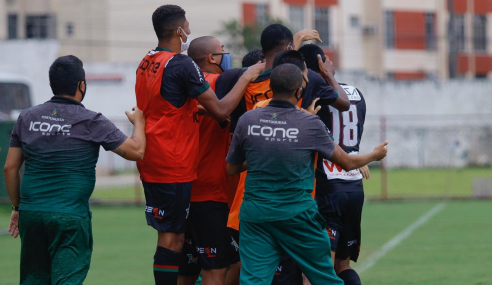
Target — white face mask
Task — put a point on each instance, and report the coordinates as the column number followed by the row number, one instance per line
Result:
column 184, row 45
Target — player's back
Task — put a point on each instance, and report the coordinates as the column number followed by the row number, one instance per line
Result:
column 347, row 128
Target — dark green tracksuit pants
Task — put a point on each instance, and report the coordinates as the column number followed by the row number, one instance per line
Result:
column 303, row 237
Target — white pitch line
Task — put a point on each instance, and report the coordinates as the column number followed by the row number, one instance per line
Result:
column 396, row 240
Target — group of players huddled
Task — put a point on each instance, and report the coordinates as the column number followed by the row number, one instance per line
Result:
column 192, row 105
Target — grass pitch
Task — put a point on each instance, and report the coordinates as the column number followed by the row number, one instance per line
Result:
column 452, row 247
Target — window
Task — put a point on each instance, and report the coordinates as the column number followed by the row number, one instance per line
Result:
column 322, row 25
column 261, row 15
column 12, row 26
column 430, row 31
column 69, row 29
column 296, row 16
column 458, row 23
column 390, row 29
column 354, row 21
column 480, row 33
column 40, row 27
column 15, row 96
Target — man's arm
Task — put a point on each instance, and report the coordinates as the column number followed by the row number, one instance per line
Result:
column 133, row 148
column 305, row 35
column 233, row 169
column 221, row 109
column 11, row 169
column 349, row 162
column 327, row 71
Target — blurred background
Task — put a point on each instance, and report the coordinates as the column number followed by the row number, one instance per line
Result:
column 423, row 66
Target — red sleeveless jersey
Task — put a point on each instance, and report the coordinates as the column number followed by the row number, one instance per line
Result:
column 172, row 133
column 211, row 182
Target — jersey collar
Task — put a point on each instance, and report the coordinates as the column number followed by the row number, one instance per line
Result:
column 65, row 100
column 162, row 49
column 281, row 104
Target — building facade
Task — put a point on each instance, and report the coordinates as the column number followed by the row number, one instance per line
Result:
column 395, row 39
column 387, row 39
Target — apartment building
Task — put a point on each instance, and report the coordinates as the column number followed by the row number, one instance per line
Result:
column 396, row 39
column 402, row 40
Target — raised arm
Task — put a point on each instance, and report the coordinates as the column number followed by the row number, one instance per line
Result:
column 133, row 148
column 327, row 71
column 221, row 109
column 305, row 35
column 349, row 162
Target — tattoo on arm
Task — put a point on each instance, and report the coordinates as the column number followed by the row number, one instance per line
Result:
column 120, row 152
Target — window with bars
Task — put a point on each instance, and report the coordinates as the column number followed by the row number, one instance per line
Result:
column 40, row 27
column 296, row 16
column 480, row 33
column 12, row 25
column 430, row 31
column 261, row 15
column 389, row 20
column 459, row 31
column 322, row 24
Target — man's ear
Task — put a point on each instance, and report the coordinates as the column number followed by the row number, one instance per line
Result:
column 82, row 86
column 210, row 59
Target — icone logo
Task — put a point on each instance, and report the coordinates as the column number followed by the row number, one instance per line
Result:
column 265, row 131
column 47, row 127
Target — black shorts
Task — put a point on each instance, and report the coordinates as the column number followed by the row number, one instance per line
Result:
column 167, row 205
column 207, row 240
column 287, row 272
column 342, row 212
column 234, row 248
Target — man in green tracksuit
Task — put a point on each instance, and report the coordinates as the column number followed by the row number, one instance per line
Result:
column 277, row 145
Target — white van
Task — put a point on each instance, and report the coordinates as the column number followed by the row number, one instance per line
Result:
column 15, row 95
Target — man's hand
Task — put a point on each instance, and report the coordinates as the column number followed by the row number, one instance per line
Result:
column 14, row 224
column 311, row 109
column 305, row 35
column 137, row 116
column 364, row 170
column 326, row 68
column 380, row 151
column 254, row 71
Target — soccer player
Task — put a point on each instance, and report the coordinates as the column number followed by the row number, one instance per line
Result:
column 59, row 142
column 207, row 242
column 340, row 193
column 167, row 85
column 278, row 214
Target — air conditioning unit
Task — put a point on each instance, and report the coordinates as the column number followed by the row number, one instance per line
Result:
column 369, row 30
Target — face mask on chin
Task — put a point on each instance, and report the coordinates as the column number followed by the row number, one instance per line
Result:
column 184, row 45
column 226, row 62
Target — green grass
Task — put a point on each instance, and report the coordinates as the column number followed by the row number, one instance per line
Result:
column 452, row 248
column 402, row 183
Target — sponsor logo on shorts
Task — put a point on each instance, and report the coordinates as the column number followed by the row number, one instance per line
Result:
column 158, row 213
column 278, row 271
column 187, row 211
column 209, row 251
column 352, row 242
column 235, row 244
column 188, row 241
column 332, row 233
column 192, row 259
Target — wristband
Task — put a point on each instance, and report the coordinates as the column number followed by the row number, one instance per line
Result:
column 14, row 208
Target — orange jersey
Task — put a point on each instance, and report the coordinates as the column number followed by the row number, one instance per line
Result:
column 257, row 92
column 211, row 183
column 172, row 133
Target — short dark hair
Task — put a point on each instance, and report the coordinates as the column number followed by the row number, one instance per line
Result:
column 310, row 53
column 285, row 79
column 200, row 48
column 65, row 74
column 166, row 20
column 274, row 37
column 252, row 57
column 290, row 56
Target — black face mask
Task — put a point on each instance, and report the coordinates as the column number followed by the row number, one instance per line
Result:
column 304, row 88
column 83, row 92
